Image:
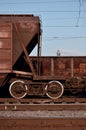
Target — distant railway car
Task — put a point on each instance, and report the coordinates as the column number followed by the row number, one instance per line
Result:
column 35, row 76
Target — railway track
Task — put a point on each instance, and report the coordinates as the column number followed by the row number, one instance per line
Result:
column 40, row 104
column 43, row 124
column 30, row 114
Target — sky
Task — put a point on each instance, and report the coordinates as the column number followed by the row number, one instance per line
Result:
column 63, row 23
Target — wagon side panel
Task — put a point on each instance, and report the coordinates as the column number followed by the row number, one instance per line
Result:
column 5, row 47
column 61, row 68
column 26, row 31
column 80, row 66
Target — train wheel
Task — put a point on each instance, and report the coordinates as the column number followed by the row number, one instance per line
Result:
column 54, row 89
column 17, row 89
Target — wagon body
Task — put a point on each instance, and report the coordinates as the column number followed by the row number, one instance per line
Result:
column 23, row 74
column 60, row 68
column 18, row 33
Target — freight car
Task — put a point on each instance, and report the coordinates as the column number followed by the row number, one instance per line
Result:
column 35, row 76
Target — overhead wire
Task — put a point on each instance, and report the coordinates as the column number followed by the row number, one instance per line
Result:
column 64, row 18
column 79, row 13
column 81, row 2
column 63, row 38
column 39, row 2
column 52, row 11
column 63, row 26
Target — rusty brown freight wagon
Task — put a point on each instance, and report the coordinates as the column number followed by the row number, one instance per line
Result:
column 35, row 76
column 18, row 33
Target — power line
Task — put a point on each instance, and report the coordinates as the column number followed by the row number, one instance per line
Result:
column 65, row 18
column 63, row 26
column 38, row 2
column 81, row 2
column 79, row 12
column 80, row 37
column 63, row 38
column 49, row 11
column 60, row 11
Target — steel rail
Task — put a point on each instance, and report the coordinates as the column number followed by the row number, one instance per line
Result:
column 37, row 105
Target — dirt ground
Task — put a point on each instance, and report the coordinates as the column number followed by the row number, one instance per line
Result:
column 34, row 114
